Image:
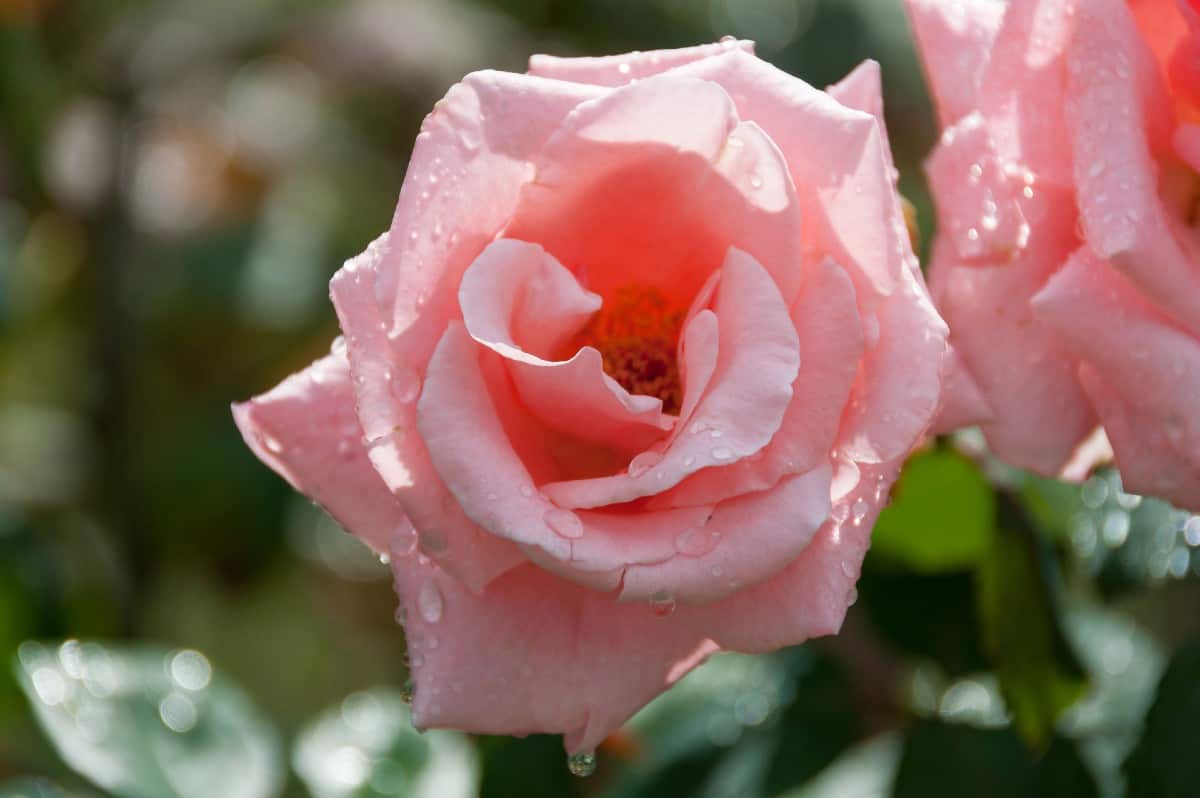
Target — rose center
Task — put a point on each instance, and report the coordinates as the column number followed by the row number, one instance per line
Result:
column 636, row 332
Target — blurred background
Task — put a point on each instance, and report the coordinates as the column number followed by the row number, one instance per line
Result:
column 178, row 181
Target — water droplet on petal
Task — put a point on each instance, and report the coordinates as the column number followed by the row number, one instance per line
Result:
column 526, row 491
column 565, row 523
column 858, row 511
column 696, row 541
column 643, row 462
column 430, row 603
column 582, row 765
column 662, row 603
column 406, row 385
column 722, row 453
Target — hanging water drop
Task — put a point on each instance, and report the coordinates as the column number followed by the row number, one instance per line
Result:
column 430, row 603
column 583, row 764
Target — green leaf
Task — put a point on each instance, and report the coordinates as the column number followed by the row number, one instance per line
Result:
column 740, row 725
column 149, row 723
column 366, row 747
column 941, row 517
column 1038, row 672
column 34, row 788
column 1164, row 763
column 532, row 767
column 946, row 759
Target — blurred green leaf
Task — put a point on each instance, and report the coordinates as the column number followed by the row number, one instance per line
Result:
column 1022, row 634
column 864, row 771
column 941, row 516
column 952, row 760
column 34, row 788
column 931, row 615
column 149, row 723
column 531, row 767
column 366, row 747
column 1164, row 763
column 741, row 725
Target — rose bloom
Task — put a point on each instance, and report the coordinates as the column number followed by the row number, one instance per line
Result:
column 627, row 381
column 1068, row 261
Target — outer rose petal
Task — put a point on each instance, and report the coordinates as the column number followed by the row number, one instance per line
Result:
column 465, row 173
column 1038, row 419
column 306, row 431
column 843, row 176
column 515, row 284
column 1149, row 461
column 1150, row 366
column 1024, row 72
column 617, row 70
column 809, row 598
column 535, row 654
column 955, row 37
column 387, row 390
column 963, row 402
column 1115, row 91
column 757, row 361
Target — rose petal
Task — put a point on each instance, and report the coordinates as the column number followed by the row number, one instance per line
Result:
column 535, row 654
column 465, row 173
column 518, row 300
column 827, row 323
column 756, row 536
column 1021, row 88
column 955, row 39
column 1149, row 460
column 652, row 184
column 306, row 431
column 1115, row 88
column 386, row 390
column 978, row 205
column 1039, row 413
column 617, row 70
column 810, row 596
column 758, row 359
column 843, row 177
column 1152, row 364
column 471, row 450
column 963, row 402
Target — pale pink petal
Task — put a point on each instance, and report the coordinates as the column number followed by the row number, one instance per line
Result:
column 467, row 168
column 1147, row 360
column 843, row 177
column 978, row 202
column 306, row 431
column 471, row 450
column 1149, row 460
column 386, row 390
column 617, row 70
column 831, row 341
column 1115, row 90
column 521, row 303
column 963, row 402
column 757, row 361
column 535, row 654
column 748, row 539
column 652, row 183
column 1021, row 89
column 1039, row 412
column 955, row 38
column 808, row 598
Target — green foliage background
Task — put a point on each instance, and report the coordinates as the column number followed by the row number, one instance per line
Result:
column 179, row 179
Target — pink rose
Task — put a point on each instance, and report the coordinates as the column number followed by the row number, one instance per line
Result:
column 627, row 381
column 1068, row 262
